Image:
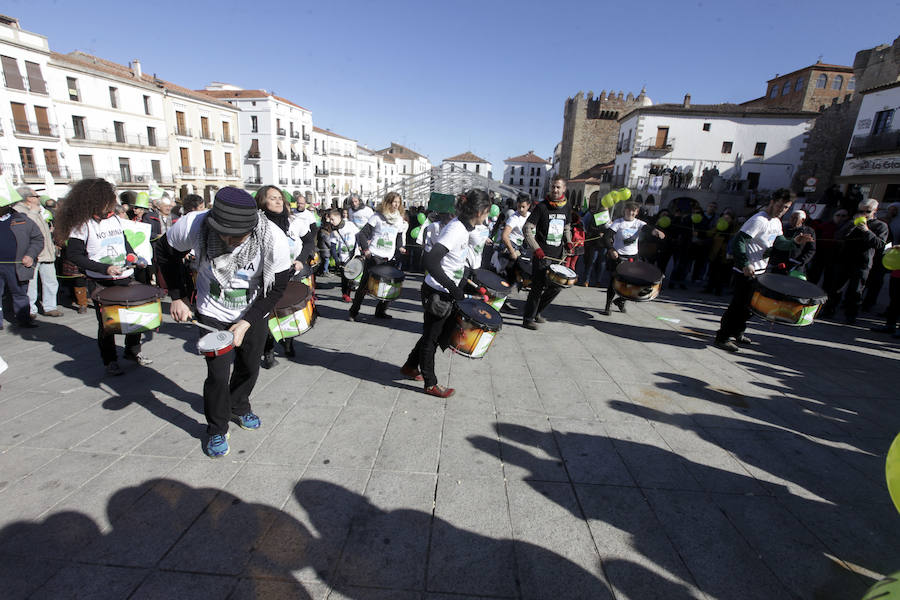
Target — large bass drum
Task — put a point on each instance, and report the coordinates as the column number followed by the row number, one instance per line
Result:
column 638, row 281
column 476, row 325
column 497, row 287
column 786, row 300
column 385, row 282
column 295, row 313
column 131, row 308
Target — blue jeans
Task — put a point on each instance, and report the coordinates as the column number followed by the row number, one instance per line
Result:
column 592, row 264
column 46, row 271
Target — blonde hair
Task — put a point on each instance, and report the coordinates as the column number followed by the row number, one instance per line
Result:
column 385, row 206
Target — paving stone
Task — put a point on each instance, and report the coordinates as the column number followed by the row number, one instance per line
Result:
column 21, row 461
column 589, row 454
column 161, row 585
column 253, row 589
column 412, row 441
column 469, row 445
column 354, row 439
column 295, row 439
column 22, row 575
column 91, row 582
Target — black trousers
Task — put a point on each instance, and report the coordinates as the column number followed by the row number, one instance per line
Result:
column 542, row 292
column 368, row 263
column 422, row 354
column 855, row 279
column 734, row 321
column 611, row 265
column 107, row 342
column 225, row 395
column 893, row 309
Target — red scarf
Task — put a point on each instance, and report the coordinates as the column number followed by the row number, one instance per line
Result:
column 558, row 203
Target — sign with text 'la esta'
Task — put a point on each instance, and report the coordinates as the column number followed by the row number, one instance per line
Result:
column 879, row 165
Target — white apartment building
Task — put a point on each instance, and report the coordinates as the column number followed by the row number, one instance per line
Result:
column 467, row 161
column 873, row 159
column 749, row 148
column 527, row 172
column 111, row 120
column 407, row 162
column 30, row 138
column 368, row 173
column 275, row 138
column 336, row 168
column 387, row 168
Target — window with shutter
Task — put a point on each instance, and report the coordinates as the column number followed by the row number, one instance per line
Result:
column 11, row 73
column 43, row 121
column 36, row 81
column 20, row 119
column 52, row 162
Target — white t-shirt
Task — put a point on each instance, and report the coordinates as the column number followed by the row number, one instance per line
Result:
column 298, row 227
column 361, row 216
column 228, row 301
column 344, row 241
column 384, row 236
column 430, row 235
column 763, row 230
column 104, row 243
column 455, row 238
column 624, row 230
column 515, row 224
column 308, row 216
column 477, row 239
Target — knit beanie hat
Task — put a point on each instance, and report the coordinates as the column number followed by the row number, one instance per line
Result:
column 234, row 212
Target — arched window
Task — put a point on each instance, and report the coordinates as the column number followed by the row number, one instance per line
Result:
column 787, row 88
column 821, row 81
column 851, row 85
column 837, row 82
column 799, row 85
column 774, row 92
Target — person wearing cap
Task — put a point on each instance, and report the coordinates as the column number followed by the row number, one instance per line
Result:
column 45, row 269
column 140, row 206
column 21, row 241
column 244, row 264
column 95, row 241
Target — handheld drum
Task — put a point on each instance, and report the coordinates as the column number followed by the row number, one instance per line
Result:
column 294, row 314
column 523, row 272
column 385, row 282
column 561, row 275
column 215, row 343
column 638, row 281
column 476, row 325
column 497, row 288
column 786, row 300
column 353, row 271
column 131, row 308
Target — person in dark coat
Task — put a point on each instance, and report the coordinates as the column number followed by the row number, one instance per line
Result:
column 796, row 258
column 20, row 243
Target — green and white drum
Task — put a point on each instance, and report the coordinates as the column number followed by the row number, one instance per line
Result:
column 295, row 312
column 497, row 288
column 385, row 282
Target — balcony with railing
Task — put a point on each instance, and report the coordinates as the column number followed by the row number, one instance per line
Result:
column 183, row 131
column 282, row 131
column 188, row 171
column 295, row 157
column 305, row 137
column 307, row 182
column 253, row 181
column 35, row 129
column 211, row 172
column 34, row 173
column 888, row 141
column 35, row 85
column 306, row 159
column 655, row 147
column 321, row 172
column 232, row 173
column 296, row 181
column 253, row 155
column 335, row 153
column 337, row 171
column 282, row 156
column 206, row 135
column 282, row 181
column 350, row 172
column 295, row 135
column 227, row 139
column 347, row 153
column 623, row 147
column 93, row 137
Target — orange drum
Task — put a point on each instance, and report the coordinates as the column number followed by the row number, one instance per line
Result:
column 638, row 281
column 295, row 312
column 131, row 308
column 786, row 300
column 476, row 325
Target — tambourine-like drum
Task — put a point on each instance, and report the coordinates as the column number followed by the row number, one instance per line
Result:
column 497, row 288
column 353, row 271
column 476, row 325
column 295, row 313
column 786, row 300
column 131, row 308
column 215, row 343
column 561, row 275
column 315, row 260
column 638, row 281
column 385, row 282
column 523, row 272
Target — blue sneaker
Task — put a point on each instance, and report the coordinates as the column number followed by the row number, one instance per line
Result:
column 217, row 445
column 248, row 421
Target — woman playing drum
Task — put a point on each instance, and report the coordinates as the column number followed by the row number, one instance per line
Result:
column 622, row 237
column 446, row 266
column 95, row 242
column 344, row 247
column 379, row 240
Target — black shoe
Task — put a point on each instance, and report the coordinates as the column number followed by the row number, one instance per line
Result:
column 726, row 345
column 383, row 315
column 620, row 304
column 508, row 308
column 289, row 347
column 606, row 312
column 29, row 324
column 742, row 339
column 352, row 316
column 268, row 360
column 540, row 319
column 530, row 325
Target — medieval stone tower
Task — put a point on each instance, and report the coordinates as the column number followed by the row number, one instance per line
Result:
column 591, row 129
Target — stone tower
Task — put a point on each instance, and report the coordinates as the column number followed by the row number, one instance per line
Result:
column 591, row 128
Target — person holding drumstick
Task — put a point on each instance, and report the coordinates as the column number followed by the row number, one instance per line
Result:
column 343, row 244
column 244, row 264
column 445, row 264
column 752, row 246
column 622, row 237
column 95, row 241
column 379, row 240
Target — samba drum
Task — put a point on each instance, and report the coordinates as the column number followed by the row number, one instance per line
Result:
column 476, row 325
column 353, row 271
column 787, row 300
column 523, row 272
column 561, row 276
column 385, row 282
column 131, row 308
column 497, row 288
column 294, row 314
column 215, row 343
column 638, row 281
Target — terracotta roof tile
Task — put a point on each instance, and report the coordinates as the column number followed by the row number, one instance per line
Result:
column 530, row 157
column 249, row 95
column 326, row 132
column 735, row 110
column 404, row 153
column 466, row 157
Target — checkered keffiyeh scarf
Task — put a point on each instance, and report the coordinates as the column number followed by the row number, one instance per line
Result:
column 260, row 243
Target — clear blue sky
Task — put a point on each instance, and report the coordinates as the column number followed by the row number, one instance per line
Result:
column 446, row 77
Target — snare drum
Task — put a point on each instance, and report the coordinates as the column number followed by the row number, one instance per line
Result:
column 294, row 313
column 638, row 281
column 385, row 282
column 131, row 308
column 561, row 275
column 215, row 343
column 523, row 272
column 497, row 288
column 476, row 325
column 353, row 271
column 787, row 300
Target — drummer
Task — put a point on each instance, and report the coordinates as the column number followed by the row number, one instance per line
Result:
column 380, row 240
column 752, row 245
column 344, row 247
column 244, row 267
column 546, row 232
column 95, row 241
column 445, row 264
column 622, row 236
column 358, row 213
column 512, row 239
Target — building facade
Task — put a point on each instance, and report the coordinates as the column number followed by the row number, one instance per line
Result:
column 529, row 173
column 407, row 162
column 368, row 173
column 336, row 168
column 468, row 161
column 811, row 88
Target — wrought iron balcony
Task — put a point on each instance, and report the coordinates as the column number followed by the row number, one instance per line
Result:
column 227, row 139
column 888, row 141
column 35, row 129
column 253, row 155
column 35, row 173
column 321, row 172
column 305, row 137
column 654, row 147
column 282, row 156
column 307, row 182
column 205, row 135
column 295, row 135
column 295, row 157
column 296, row 181
column 282, row 180
column 183, row 131
column 253, row 181
column 211, row 172
column 282, row 132
column 85, row 137
column 188, row 171
column 232, row 173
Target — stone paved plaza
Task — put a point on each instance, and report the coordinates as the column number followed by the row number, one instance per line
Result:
column 599, row 457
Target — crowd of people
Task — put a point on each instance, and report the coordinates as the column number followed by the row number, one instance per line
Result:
column 226, row 266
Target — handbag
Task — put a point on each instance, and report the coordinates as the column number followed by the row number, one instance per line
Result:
column 437, row 306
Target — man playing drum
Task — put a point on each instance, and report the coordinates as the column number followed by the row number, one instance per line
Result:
column 244, row 266
column 622, row 237
column 343, row 244
column 752, row 246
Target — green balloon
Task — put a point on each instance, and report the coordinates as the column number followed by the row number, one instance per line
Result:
column 891, row 259
column 608, row 200
column 696, row 217
column 414, row 234
column 624, row 194
column 421, row 218
column 663, row 222
column 892, row 471
column 287, row 196
column 722, row 224
column 495, row 211
column 886, row 589
column 253, row 193
column 798, row 274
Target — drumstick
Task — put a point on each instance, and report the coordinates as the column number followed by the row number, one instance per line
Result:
column 201, row 325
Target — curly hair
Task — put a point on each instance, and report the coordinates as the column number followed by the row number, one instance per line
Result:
column 470, row 203
column 87, row 198
column 385, row 205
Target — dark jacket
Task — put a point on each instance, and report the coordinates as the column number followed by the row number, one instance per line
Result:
column 859, row 245
column 29, row 242
column 797, row 257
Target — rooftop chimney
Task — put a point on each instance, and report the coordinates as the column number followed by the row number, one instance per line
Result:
column 136, row 68
column 687, row 101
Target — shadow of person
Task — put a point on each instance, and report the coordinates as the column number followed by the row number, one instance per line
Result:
column 366, row 368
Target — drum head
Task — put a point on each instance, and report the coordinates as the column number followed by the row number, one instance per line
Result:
column 481, row 314
column 137, row 293
column 353, row 268
column 563, row 271
column 638, row 273
column 215, row 340
column 295, row 294
column 785, row 287
column 388, row 273
column 492, row 282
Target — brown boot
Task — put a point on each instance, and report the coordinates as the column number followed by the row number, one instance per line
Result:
column 81, row 299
